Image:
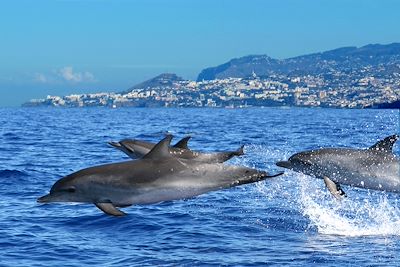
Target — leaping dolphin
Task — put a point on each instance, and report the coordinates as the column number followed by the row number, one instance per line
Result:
column 158, row 176
column 137, row 148
column 373, row 168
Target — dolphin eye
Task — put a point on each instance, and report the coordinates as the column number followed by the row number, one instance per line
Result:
column 70, row 189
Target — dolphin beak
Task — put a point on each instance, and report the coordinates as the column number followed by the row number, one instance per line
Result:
column 284, row 164
column 114, row 144
column 44, row 199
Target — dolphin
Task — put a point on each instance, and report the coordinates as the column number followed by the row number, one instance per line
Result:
column 137, row 148
column 374, row 168
column 158, row 176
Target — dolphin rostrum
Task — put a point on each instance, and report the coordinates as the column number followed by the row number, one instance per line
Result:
column 137, row 148
column 373, row 168
column 158, row 176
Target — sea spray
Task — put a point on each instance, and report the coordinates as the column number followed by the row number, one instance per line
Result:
column 353, row 216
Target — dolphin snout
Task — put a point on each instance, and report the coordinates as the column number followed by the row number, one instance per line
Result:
column 44, row 199
column 284, row 164
column 114, row 144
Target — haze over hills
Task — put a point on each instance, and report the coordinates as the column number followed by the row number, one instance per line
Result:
column 343, row 59
column 347, row 77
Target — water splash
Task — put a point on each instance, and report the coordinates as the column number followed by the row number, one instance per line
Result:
column 363, row 213
column 373, row 215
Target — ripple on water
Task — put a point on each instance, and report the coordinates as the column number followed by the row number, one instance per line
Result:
column 288, row 220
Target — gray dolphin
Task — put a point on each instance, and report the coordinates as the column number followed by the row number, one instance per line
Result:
column 137, row 148
column 373, row 168
column 158, row 176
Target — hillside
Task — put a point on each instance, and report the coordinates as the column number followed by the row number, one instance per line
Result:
column 160, row 81
column 345, row 59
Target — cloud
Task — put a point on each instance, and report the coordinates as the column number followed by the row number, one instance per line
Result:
column 65, row 74
column 68, row 74
column 41, row 78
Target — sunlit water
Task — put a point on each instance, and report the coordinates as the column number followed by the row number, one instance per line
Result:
column 291, row 219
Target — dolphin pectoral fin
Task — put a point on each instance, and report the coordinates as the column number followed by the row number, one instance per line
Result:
column 123, row 205
column 386, row 144
column 183, row 143
column 109, row 208
column 334, row 188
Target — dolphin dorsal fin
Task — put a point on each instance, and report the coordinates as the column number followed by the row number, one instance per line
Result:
column 160, row 150
column 385, row 144
column 183, row 143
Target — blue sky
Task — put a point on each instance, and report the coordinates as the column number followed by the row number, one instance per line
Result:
column 61, row 47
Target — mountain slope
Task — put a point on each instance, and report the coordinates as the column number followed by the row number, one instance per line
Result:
column 162, row 80
column 341, row 59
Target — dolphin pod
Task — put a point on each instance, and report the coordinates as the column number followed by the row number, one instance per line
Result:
column 374, row 168
column 158, row 176
column 137, row 148
column 161, row 172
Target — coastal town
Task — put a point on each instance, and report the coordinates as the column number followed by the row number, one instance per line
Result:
column 361, row 89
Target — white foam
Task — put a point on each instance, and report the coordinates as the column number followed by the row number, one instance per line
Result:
column 369, row 216
column 362, row 213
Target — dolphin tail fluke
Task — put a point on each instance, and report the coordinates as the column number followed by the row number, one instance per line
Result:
column 109, row 208
column 240, row 151
column 260, row 176
column 334, row 188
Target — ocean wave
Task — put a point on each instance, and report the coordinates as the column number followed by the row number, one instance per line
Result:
column 10, row 136
column 7, row 173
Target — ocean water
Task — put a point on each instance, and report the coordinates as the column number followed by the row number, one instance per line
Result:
column 288, row 220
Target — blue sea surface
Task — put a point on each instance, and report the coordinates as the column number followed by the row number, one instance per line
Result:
column 288, row 220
